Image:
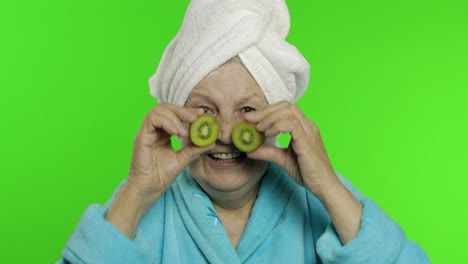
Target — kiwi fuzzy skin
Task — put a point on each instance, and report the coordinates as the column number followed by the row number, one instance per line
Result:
column 207, row 123
column 255, row 138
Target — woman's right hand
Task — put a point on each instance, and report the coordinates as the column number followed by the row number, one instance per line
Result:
column 154, row 166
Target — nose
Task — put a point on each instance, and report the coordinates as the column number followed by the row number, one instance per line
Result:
column 225, row 128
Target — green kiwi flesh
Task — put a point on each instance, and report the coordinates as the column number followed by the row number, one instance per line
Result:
column 246, row 137
column 204, row 131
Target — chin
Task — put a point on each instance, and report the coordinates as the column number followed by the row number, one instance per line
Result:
column 226, row 183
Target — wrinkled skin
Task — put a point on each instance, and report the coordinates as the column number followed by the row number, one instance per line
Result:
column 231, row 95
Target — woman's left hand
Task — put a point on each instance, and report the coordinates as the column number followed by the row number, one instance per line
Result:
column 305, row 159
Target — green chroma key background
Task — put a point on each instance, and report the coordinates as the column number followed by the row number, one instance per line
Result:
column 388, row 89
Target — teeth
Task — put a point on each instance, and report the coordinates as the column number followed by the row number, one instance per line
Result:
column 225, row 156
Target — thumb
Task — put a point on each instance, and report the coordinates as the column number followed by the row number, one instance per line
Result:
column 269, row 153
column 189, row 153
column 284, row 157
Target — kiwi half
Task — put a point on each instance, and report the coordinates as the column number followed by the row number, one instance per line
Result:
column 204, row 131
column 246, row 137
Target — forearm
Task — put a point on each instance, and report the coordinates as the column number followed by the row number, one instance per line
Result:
column 344, row 209
column 128, row 208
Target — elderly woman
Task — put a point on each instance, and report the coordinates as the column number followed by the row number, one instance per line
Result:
column 217, row 204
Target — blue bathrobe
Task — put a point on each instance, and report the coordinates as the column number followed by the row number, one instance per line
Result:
column 288, row 224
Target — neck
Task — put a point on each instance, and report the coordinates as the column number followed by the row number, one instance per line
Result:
column 238, row 201
column 234, row 213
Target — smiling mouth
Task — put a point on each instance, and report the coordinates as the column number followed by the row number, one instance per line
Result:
column 231, row 157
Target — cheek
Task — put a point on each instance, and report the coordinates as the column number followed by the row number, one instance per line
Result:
column 196, row 168
column 257, row 170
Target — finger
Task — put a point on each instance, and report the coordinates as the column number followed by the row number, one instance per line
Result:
column 268, row 152
column 256, row 116
column 169, row 121
column 274, row 117
column 155, row 130
column 308, row 125
column 284, row 157
column 163, row 125
column 283, row 111
column 185, row 117
column 289, row 125
column 188, row 115
column 170, row 118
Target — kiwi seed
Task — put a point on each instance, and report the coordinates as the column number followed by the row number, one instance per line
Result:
column 204, row 131
column 246, row 137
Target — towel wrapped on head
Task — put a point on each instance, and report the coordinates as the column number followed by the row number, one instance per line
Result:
column 214, row 31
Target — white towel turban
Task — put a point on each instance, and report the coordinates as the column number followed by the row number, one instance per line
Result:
column 214, row 31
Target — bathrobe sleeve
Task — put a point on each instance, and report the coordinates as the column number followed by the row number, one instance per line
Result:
column 97, row 241
column 380, row 240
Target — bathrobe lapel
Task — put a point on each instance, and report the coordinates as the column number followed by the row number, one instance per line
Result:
column 203, row 224
column 272, row 199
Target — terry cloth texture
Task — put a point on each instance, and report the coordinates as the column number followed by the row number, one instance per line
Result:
column 288, row 224
column 214, row 31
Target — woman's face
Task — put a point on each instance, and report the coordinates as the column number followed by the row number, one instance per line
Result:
column 227, row 94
